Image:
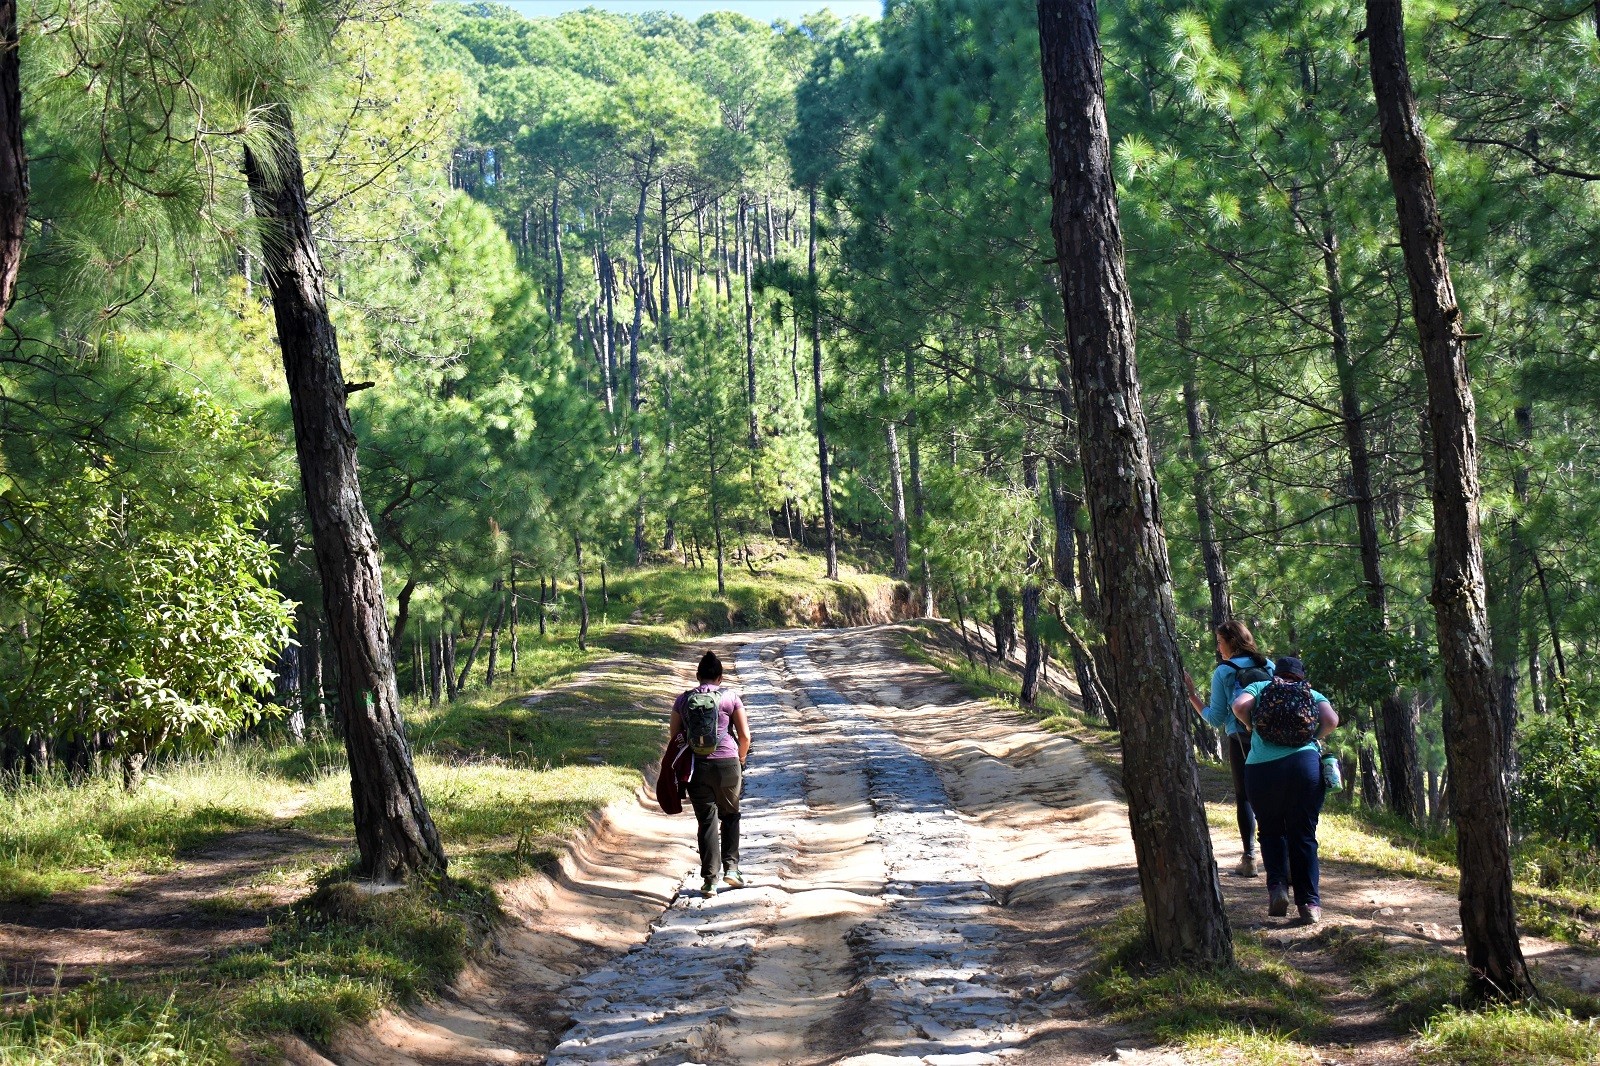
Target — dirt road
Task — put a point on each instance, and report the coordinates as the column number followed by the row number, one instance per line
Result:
column 924, row 873
column 910, row 854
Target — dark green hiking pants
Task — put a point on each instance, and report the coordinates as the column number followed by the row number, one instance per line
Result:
column 714, row 791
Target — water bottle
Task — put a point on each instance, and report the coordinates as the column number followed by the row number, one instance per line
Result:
column 1331, row 775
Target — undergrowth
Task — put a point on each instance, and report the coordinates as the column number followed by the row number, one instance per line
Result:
column 1204, row 1007
column 1425, row 988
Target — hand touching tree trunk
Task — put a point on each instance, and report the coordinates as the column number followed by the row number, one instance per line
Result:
column 1473, row 725
column 395, row 835
column 1177, row 873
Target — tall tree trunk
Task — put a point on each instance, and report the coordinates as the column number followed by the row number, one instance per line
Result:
column 316, row 695
column 477, row 642
column 583, row 595
column 1184, row 915
column 919, row 498
column 402, row 611
column 13, row 158
column 1472, row 724
column 831, row 545
column 435, row 668
column 394, row 833
column 1033, row 651
column 635, row 398
column 1397, row 727
column 1508, row 620
column 1210, row 549
column 715, row 489
column 1063, row 512
column 749, row 331
column 897, row 485
column 608, row 290
column 448, row 658
column 494, row 639
column 555, row 239
column 516, row 651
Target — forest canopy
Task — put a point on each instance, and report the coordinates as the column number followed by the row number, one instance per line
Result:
column 629, row 288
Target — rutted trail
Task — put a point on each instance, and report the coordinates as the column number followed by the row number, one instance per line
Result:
column 916, row 862
column 867, row 925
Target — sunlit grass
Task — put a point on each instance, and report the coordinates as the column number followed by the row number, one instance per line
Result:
column 59, row 835
column 1260, row 993
column 1425, row 988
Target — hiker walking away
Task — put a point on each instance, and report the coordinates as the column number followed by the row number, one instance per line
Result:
column 1283, row 776
column 712, row 722
column 1239, row 665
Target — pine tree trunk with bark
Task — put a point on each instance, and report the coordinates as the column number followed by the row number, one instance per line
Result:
column 1184, row 914
column 897, row 484
column 1473, row 722
column 831, row 545
column 394, row 832
column 1210, row 549
column 1397, row 729
column 13, row 158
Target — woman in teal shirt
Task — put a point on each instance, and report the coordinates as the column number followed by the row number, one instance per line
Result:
column 1241, row 661
column 1285, row 786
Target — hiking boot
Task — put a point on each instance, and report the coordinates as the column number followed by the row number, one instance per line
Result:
column 733, row 877
column 1310, row 914
column 1279, row 905
column 708, row 887
column 1247, row 866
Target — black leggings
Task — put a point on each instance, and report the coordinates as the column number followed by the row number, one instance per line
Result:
column 1238, row 751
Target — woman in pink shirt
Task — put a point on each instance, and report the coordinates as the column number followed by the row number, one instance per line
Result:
column 718, row 777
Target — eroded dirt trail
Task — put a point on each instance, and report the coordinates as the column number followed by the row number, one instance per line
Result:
column 886, row 818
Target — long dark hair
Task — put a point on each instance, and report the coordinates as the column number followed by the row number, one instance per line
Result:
column 1236, row 635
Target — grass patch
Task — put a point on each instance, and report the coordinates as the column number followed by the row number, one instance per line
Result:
column 109, row 1024
column 60, row 836
column 342, row 953
column 1508, row 1034
column 1237, row 1044
column 1424, row 989
column 1259, row 994
column 788, row 588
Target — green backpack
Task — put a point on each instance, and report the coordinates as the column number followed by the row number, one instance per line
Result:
column 701, row 721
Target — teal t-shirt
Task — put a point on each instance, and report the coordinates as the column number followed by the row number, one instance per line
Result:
column 1224, row 690
column 1265, row 750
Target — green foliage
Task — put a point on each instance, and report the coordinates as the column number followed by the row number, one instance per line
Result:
column 1559, row 776
column 1352, row 656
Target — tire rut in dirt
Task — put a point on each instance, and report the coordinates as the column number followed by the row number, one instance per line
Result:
column 928, row 959
column 672, row 995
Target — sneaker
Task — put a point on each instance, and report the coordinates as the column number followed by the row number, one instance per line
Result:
column 1310, row 914
column 1279, row 905
column 1247, row 866
column 708, row 887
column 733, row 877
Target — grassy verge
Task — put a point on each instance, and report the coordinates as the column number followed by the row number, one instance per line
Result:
column 938, row 644
column 1422, row 989
column 1260, row 1011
